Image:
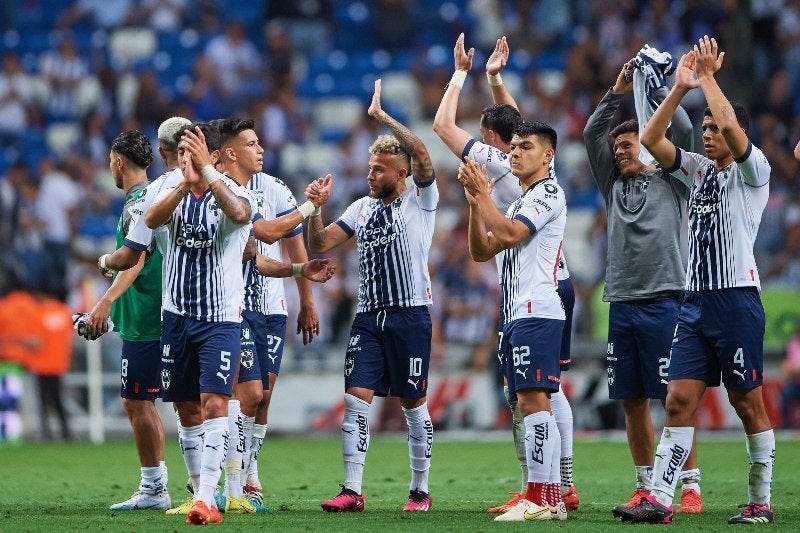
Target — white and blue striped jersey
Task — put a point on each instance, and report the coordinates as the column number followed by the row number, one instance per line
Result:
column 725, row 208
column 530, row 269
column 140, row 237
column 203, row 277
column 393, row 244
column 507, row 189
column 273, row 199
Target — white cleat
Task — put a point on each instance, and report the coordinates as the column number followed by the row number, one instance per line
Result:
column 525, row 510
column 141, row 500
column 558, row 511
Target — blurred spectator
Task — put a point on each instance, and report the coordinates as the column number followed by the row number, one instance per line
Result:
column 204, row 97
column 63, row 69
column 236, row 63
column 281, row 122
column 393, row 26
column 790, row 398
column 92, row 145
column 30, row 260
column 278, row 56
column 162, row 15
column 307, row 23
column 17, row 103
column 56, row 206
column 153, row 104
column 105, row 14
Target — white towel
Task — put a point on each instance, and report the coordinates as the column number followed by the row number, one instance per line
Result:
column 651, row 69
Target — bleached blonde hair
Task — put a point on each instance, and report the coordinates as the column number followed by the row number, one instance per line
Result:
column 388, row 144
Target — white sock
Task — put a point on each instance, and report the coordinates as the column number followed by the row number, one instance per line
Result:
column 644, row 477
column 761, row 453
column 152, row 481
column 690, row 479
column 562, row 412
column 233, row 459
column 164, row 474
column 249, row 421
column 671, row 454
column 191, row 442
column 420, row 443
column 215, row 447
column 555, row 460
column 518, row 432
column 355, row 441
column 259, row 433
column 539, row 445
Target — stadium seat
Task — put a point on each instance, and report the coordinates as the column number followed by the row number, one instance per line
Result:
column 128, row 45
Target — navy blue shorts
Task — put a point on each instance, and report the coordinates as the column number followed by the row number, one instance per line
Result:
column 567, row 294
column 197, row 357
column 389, row 352
column 639, row 338
column 270, row 332
column 720, row 333
column 248, row 362
column 141, row 370
column 533, row 346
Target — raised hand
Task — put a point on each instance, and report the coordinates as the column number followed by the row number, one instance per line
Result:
column 319, row 190
column 375, row 109
column 195, row 144
column 708, row 59
column 499, row 58
column 463, row 59
column 624, row 83
column 684, row 72
column 474, row 178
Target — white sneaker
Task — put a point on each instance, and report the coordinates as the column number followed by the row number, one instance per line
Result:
column 142, row 500
column 559, row 511
column 524, row 510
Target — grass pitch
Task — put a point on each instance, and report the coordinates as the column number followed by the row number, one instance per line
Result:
column 67, row 487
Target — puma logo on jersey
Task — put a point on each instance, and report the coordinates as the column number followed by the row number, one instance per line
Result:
column 414, row 383
column 223, row 377
column 740, row 373
column 522, row 373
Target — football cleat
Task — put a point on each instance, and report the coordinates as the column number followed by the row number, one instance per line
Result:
column 219, row 499
column 691, row 502
column 648, row 510
column 182, row 508
column 638, row 494
column 525, row 510
column 201, row 515
column 238, row 506
column 348, row 501
column 558, row 511
column 255, row 496
column 570, row 499
column 142, row 500
column 753, row 514
column 508, row 505
column 418, row 501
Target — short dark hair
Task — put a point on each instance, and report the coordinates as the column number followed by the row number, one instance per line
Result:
column 134, row 146
column 742, row 117
column 629, row 126
column 230, row 128
column 538, row 128
column 501, row 118
column 210, row 131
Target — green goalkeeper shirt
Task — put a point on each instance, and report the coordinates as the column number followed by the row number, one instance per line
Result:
column 137, row 313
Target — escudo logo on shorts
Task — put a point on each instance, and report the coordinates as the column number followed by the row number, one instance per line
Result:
column 349, row 365
column 610, row 376
column 166, row 378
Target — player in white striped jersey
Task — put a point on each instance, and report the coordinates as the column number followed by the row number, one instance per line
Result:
column 527, row 242
column 497, row 125
column 264, row 313
column 390, row 340
column 208, row 222
column 720, row 329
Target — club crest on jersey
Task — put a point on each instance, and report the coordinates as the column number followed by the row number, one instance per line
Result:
column 611, row 377
column 247, row 359
column 349, row 365
column 166, row 378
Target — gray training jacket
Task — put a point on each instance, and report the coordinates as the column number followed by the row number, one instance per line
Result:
column 645, row 212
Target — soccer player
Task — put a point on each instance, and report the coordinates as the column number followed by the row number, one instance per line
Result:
column 207, row 216
column 134, row 302
column 645, row 275
column 720, row 331
column 390, row 339
column 264, row 308
column 497, row 126
column 527, row 241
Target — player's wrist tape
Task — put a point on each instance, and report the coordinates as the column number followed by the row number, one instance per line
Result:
column 297, row 270
column 494, row 79
column 458, row 78
column 102, row 261
column 317, row 212
column 307, row 209
column 210, row 173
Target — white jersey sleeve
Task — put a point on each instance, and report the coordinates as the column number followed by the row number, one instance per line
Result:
column 506, row 186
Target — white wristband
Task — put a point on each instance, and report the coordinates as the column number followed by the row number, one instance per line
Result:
column 494, row 79
column 102, row 261
column 210, row 173
column 297, row 270
column 307, row 209
column 317, row 212
column 458, row 78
